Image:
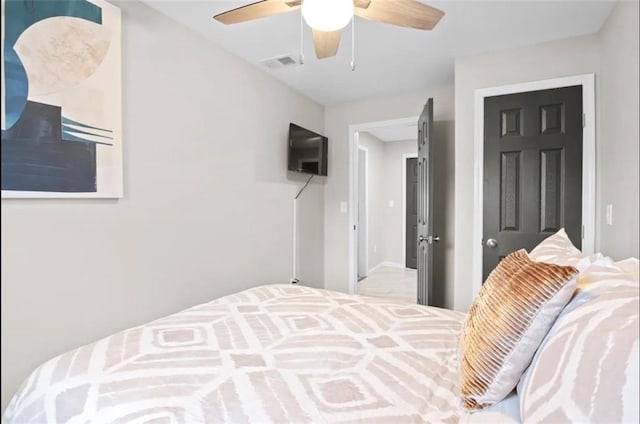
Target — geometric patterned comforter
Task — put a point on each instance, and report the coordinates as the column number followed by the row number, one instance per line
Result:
column 277, row 353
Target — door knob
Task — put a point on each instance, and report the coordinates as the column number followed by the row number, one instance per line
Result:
column 429, row 239
column 493, row 243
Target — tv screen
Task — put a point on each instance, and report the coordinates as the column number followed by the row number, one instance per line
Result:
column 307, row 151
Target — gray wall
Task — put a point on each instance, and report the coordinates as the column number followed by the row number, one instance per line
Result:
column 207, row 208
column 618, row 137
column 613, row 56
column 337, row 121
column 375, row 201
column 362, row 225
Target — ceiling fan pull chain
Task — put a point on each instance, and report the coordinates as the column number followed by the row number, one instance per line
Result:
column 301, row 38
column 353, row 43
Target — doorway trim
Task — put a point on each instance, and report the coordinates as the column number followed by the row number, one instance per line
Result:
column 354, row 129
column 405, row 156
column 366, row 213
column 587, row 81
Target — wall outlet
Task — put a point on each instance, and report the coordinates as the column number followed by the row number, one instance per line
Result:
column 375, row 248
column 609, row 214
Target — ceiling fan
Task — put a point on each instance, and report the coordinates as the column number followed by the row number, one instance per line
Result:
column 327, row 17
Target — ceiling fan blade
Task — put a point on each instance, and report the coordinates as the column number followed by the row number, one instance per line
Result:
column 405, row 13
column 326, row 43
column 261, row 9
column 361, row 3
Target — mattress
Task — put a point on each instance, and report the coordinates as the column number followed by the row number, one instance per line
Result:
column 277, row 353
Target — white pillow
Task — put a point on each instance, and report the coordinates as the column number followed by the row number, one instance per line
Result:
column 507, row 411
column 587, row 368
column 558, row 249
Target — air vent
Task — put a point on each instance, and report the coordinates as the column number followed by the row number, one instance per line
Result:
column 279, row 62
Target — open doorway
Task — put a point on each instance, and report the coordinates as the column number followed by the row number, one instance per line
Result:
column 363, row 257
column 442, row 192
column 386, row 202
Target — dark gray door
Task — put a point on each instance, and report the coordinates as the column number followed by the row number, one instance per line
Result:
column 532, row 170
column 426, row 238
column 411, row 211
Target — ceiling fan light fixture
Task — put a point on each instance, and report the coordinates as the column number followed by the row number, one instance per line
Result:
column 327, row 15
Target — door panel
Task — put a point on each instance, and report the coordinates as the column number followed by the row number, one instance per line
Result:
column 510, row 191
column 411, row 218
column 426, row 237
column 532, row 170
column 551, row 184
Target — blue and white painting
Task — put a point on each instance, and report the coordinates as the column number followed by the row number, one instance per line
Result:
column 61, row 99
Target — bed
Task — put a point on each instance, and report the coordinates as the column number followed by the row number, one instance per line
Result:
column 293, row 354
column 278, row 353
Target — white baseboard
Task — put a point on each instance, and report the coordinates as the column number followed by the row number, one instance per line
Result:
column 388, row 264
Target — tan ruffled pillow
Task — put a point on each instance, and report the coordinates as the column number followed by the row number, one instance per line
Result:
column 514, row 310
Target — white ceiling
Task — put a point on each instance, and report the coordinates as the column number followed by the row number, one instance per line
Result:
column 395, row 133
column 389, row 59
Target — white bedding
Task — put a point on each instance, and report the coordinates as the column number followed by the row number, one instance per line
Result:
column 279, row 353
column 505, row 412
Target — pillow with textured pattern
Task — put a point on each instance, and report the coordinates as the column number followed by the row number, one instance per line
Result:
column 516, row 307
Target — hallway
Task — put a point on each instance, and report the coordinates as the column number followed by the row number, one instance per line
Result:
column 389, row 282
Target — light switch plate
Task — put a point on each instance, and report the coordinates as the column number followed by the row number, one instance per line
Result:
column 609, row 214
column 391, row 203
column 343, row 207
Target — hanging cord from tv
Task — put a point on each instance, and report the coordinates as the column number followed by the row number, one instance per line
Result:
column 294, row 263
column 301, row 37
column 353, row 43
column 305, row 186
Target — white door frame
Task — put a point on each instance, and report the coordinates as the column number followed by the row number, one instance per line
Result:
column 404, row 204
column 354, row 129
column 366, row 213
column 587, row 82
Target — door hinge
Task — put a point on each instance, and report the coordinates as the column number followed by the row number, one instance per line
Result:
column 584, row 120
column 583, row 232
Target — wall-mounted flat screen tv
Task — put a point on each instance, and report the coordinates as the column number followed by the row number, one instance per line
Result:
column 307, row 151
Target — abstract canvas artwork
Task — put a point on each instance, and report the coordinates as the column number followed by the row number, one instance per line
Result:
column 61, row 99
